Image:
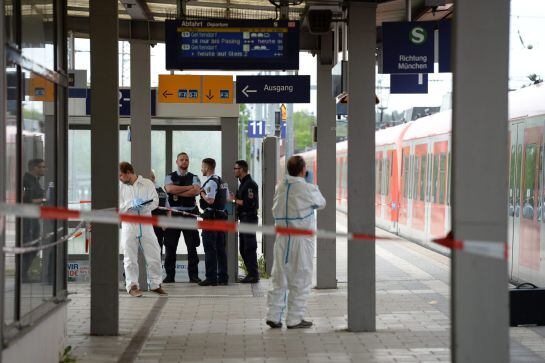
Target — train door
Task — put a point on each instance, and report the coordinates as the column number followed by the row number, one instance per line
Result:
column 378, row 184
column 516, row 135
column 420, row 185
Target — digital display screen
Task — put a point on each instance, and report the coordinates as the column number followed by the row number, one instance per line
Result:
column 232, row 44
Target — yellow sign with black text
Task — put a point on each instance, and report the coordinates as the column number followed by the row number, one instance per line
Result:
column 177, row 88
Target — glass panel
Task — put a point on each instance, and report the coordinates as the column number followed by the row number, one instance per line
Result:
column 512, row 180
column 433, row 198
column 79, row 169
column 198, row 145
column 158, row 154
column 529, row 180
column 38, row 187
column 406, row 176
column 124, row 146
column 379, row 176
column 416, row 168
column 442, row 178
column 344, row 176
column 388, row 173
column 11, row 190
column 423, row 165
column 9, row 20
column 37, row 31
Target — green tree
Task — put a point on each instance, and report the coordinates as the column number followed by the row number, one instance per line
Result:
column 302, row 127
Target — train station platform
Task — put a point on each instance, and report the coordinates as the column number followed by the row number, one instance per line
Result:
column 226, row 323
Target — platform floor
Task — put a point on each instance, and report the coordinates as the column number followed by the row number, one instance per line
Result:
column 226, row 323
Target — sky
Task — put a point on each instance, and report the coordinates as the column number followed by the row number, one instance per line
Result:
column 527, row 55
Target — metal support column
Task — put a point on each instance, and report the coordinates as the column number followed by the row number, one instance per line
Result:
column 3, row 102
column 480, row 306
column 270, row 159
column 361, row 156
column 325, row 154
column 104, row 165
column 229, row 154
column 141, row 124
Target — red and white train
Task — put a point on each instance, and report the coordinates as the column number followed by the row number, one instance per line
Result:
column 413, row 169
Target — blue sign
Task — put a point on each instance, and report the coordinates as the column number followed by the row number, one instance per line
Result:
column 283, row 130
column 232, row 44
column 408, row 83
column 273, row 89
column 124, row 97
column 408, row 47
column 257, row 129
column 445, row 46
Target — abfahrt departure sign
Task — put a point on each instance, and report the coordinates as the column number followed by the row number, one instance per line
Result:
column 232, row 44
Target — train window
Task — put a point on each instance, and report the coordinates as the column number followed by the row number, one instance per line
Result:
column 423, row 165
column 529, row 180
column 386, row 176
column 435, row 169
column 512, row 172
column 405, row 176
column 416, row 168
column 442, row 177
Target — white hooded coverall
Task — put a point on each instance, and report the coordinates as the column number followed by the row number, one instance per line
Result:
column 135, row 236
column 294, row 203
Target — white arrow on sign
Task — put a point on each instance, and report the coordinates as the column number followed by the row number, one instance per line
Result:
column 245, row 91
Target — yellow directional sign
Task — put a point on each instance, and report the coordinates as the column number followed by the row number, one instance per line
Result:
column 41, row 89
column 284, row 112
column 217, row 89
column 177, row 88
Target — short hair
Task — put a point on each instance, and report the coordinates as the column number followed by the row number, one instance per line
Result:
column 243, row 164
column 182, row 153
column 210, row 162
column 295, row 165
column 126, row 168
column 32, row 163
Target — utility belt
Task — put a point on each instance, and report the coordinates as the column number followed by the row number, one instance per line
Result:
column 217, row 214
column 179, row 213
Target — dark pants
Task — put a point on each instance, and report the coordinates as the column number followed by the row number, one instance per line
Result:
column 215, row 256
column 160, row 233
column 248, row 250
column 192, row 241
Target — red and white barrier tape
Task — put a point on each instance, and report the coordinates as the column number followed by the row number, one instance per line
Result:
column 484, row 248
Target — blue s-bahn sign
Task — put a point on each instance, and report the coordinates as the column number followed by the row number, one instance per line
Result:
column 408, row 47
column 273, row 89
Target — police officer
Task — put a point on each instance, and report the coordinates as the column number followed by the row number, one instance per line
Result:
column 163, row 203
column 182, row 187
column 247, row 202
column 212, row 203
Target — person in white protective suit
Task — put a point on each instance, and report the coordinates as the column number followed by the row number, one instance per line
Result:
column 137, row 195
column 295, row 201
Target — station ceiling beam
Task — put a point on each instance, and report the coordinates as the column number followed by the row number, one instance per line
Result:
column 137, row 9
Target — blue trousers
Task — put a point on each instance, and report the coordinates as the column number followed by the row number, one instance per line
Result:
column 215, row 256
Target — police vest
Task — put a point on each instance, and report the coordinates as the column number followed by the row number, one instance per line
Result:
column 220, row 198
column 181, row 180
column 163, row 196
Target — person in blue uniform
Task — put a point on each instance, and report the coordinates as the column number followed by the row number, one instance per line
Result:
column 163, row 203
column 247, row 202
column 182, row 187
column 212, row 203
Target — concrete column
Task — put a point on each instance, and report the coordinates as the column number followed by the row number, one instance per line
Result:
column 104, row 165
column 3, row 101
column 141, row 124
column 229, row 154
column 270, row 160
column 480, row 313
column 361, row 165
column 325, row 154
